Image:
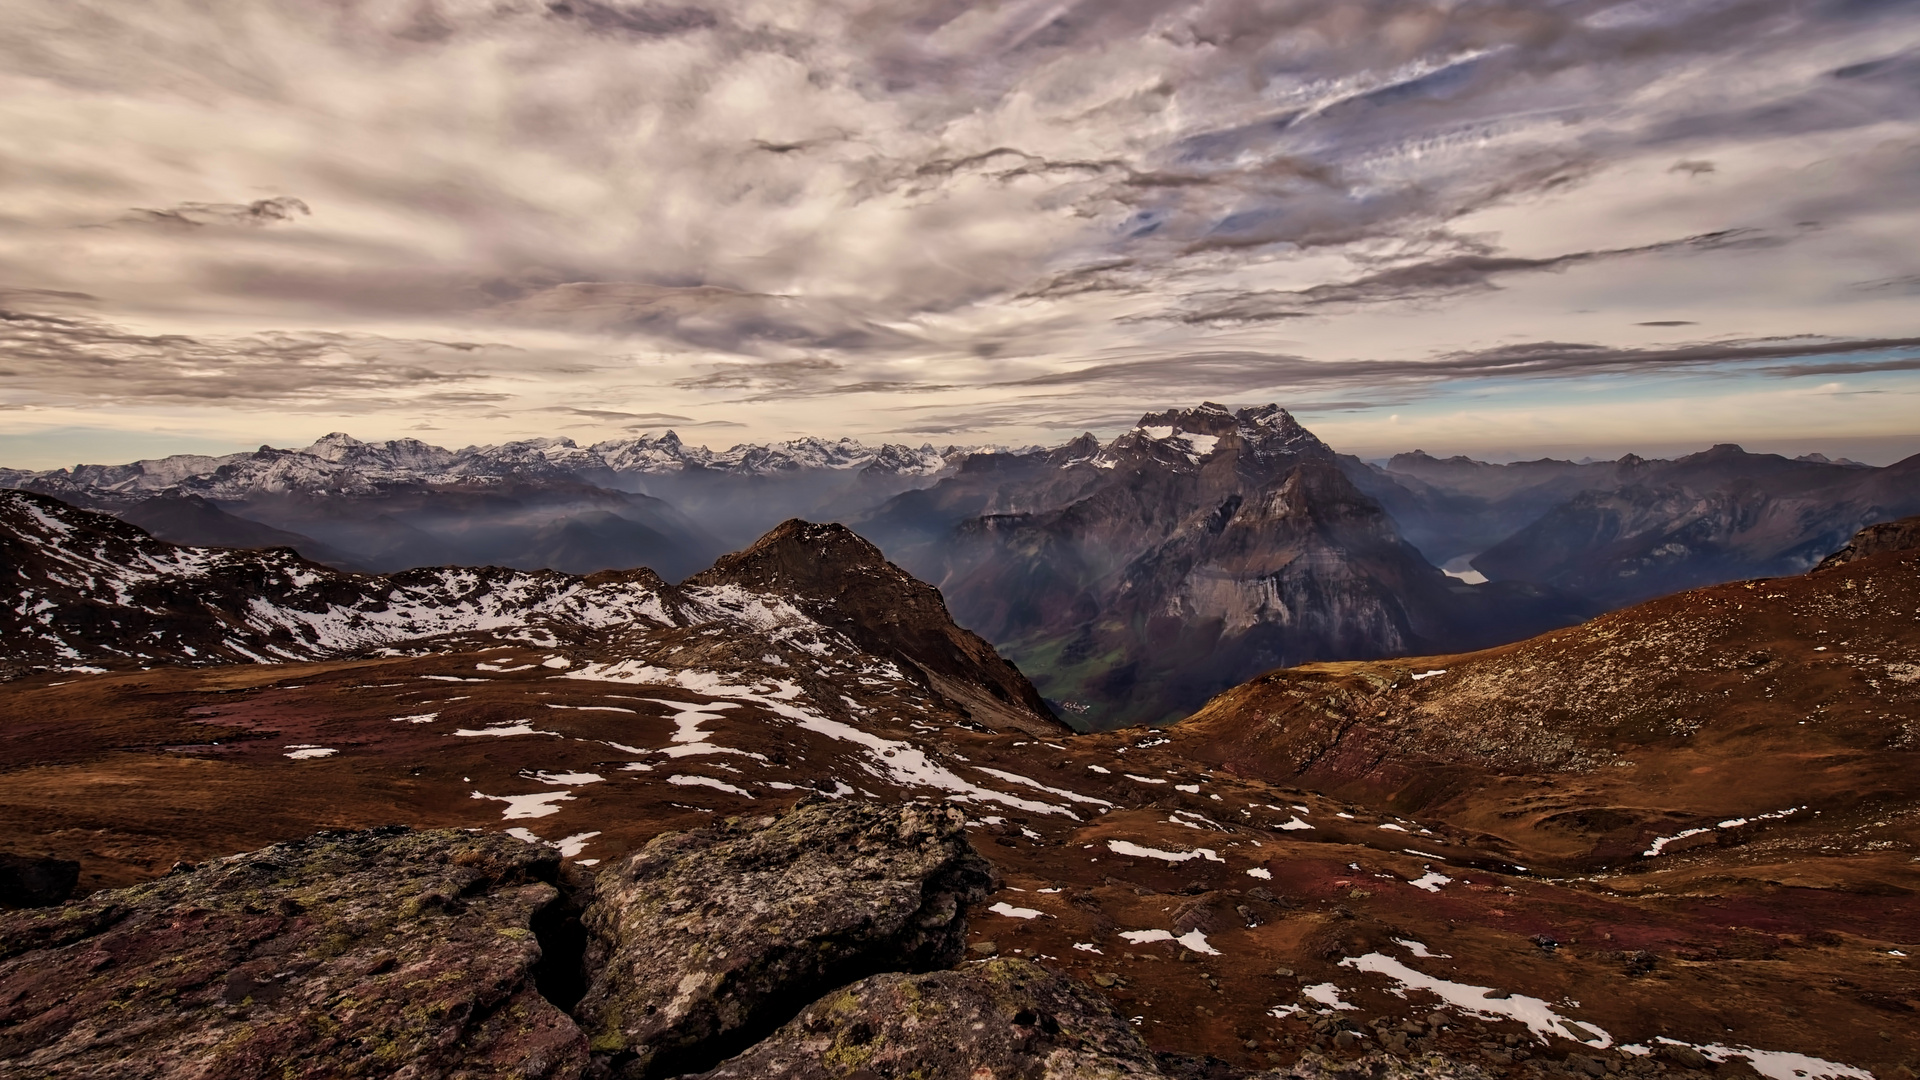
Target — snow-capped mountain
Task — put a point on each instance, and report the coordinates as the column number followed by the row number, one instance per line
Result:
column 339, row 464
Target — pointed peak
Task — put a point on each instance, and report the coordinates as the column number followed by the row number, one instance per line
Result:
column 332, row 446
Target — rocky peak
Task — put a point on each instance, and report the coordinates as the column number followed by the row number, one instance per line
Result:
column 1178, row 438
column 334, row 446
column 1082, row 449
column 1208, row 418
column 846, row 584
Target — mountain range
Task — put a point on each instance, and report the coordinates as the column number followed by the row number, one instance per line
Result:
column 1134, row 579
column 540, row 503
column 1131, row 578
column 1676, row 841
column 1619, row 532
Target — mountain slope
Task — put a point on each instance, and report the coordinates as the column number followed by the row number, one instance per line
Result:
column 1725, row 715
column 845, row 584
column 1135, row 579
column 92, row 589
column 194, row 522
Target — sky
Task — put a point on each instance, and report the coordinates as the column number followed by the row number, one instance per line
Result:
column 1504, row 228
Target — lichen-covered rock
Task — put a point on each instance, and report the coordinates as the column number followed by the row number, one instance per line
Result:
column 1006, row 1018
column 385, row 953
column 1376, row 1066
column 706, row 940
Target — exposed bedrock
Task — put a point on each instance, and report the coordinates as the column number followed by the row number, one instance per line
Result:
column 1006, row 1018
column 818, row 944
column 707, row 940
column 383, row 953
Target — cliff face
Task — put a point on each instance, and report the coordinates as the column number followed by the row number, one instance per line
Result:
column 1134, row 580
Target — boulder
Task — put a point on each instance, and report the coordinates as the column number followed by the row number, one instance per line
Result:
column 1007, row 1018
column 705, row 941
column 385, row 953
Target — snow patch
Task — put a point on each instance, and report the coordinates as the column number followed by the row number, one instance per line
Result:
column 537, row 805
column 707, row 781
column 1539, row 1017
column 1126, row 847
column 520, row 727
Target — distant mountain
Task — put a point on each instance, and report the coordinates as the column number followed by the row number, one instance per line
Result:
column 535, row 503
column 1456, row 508
column 1621, row 532
column 339, row 464
column 1133, row 580
column 1618, row 532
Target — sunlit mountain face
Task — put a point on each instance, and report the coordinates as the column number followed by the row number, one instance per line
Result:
column 1495, row 228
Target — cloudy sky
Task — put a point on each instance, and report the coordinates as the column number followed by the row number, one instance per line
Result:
column 1504, row 228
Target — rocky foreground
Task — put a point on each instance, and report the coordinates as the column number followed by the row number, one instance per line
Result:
column 818, row 944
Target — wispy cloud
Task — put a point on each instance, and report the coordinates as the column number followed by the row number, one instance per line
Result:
column 853, row 215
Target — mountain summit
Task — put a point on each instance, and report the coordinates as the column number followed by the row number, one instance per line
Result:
column 1133, row 580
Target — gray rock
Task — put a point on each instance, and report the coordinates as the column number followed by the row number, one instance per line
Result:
column 707, row 940
column 1006, row 1017
column 383, row 953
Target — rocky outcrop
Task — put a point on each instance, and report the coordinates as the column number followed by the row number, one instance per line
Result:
column 1901, row 535
column 1006, row 1018
column 382, row 953
column 707, row 940
column 444, row 954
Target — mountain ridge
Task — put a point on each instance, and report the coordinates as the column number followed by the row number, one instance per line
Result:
column 91, row 589
column 1134, row 579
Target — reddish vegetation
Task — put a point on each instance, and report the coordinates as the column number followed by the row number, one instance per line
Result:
column 1568, row 755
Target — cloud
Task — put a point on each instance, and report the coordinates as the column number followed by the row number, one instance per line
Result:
column 1243, row 371
column 726, row 320
column 66, row 356
column 643, row 20
column 837, row 212
column 1433, row 279
column 194, row 215
column 612, row 414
